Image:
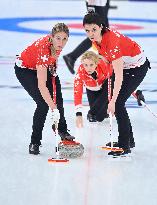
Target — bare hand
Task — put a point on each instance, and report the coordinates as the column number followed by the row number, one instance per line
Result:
column 79, row 121
column 111, row 107
column 53, row 107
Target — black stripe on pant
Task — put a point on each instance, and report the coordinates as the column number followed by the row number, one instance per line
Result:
column 28, row 79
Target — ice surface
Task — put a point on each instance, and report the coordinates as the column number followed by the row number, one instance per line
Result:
column 91, row 179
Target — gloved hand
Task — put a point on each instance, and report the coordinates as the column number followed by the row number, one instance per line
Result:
column 55, row 116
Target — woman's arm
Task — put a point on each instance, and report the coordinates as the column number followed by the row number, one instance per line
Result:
column 42, row 79
column 78, row 91
column 118, row 71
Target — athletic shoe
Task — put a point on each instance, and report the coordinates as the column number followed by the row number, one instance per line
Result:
column 34, row 149
column 123, row 153
column 69, row 62
column 65, row 135
column 91, row 117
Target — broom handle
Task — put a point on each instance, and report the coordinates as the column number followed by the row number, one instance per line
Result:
column 56, row 125
column 110, row 114
column 145, row 105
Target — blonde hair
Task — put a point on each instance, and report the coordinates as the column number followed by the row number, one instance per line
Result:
column 91, row 56
column 59, row 27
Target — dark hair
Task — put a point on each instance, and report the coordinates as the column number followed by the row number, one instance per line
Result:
column 94, row 18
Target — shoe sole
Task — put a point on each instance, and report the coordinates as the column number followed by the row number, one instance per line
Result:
column 35, row 153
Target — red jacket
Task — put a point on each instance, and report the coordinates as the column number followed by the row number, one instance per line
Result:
column 115, row 45
column 82, row 78
column 38, row 53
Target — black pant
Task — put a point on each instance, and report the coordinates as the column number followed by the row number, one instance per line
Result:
column 131, row 80
column 28, row 79
column 98, row 102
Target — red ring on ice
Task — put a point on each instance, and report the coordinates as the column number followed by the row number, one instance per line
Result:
column 113, row 26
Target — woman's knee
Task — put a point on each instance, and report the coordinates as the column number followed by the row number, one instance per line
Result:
column 42, row 106
column 119, row 106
